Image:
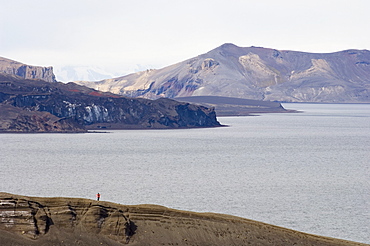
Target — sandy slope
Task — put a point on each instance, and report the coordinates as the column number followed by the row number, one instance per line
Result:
column 73, row 221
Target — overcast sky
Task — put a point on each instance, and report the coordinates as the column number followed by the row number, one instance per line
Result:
column 140, row 34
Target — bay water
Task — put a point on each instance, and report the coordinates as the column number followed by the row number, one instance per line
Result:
column 307, row 171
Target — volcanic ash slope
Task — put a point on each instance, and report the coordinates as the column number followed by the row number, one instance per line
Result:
column 255, row 73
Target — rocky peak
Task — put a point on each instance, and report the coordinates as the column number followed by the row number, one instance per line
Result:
column 228, row 47
column 11, row 67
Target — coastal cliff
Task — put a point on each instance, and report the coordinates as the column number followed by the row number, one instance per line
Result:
column 17, row 120
column 73, row 221
column 92, row 109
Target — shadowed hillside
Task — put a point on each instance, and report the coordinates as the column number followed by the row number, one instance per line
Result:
column 79, row 107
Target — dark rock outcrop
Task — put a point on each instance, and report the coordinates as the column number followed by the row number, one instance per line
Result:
column 31, row 221
column 229, row 106
column 97, row 110
column 11, row 67
column 255, row 73
column 14, row 119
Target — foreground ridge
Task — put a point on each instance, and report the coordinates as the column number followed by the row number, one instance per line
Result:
column 74, row 221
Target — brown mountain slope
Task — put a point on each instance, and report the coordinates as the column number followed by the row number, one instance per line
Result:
column 72, row 221
column 255, row 73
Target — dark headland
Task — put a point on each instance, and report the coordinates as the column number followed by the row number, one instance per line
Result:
column 232, row 106
column 30, row 221
column 30, row 105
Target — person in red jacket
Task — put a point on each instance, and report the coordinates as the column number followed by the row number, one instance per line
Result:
column 98, row 196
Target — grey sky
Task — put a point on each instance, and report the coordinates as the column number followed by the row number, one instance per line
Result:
column 156, row 33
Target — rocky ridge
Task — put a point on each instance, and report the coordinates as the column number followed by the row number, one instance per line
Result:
column 11, row 67
column 254, row 73
column 96, row 110
column 73, row 221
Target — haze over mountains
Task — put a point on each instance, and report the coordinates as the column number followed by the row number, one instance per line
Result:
column 254, row 73
column 85, row 73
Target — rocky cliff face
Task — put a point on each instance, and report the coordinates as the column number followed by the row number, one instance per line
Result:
column 11, row 67
column 71, row 221
column 97, row 110
column 14, row 119
column 254, row 73
column 35, row 218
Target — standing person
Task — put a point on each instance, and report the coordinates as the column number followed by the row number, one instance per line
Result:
column 98, row 196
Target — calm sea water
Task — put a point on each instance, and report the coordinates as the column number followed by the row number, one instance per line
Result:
column 307, row 171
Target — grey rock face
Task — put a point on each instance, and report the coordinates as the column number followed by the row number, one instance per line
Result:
column 18, row 119
column 254, row 73
column 14, row 119
column 11, row 67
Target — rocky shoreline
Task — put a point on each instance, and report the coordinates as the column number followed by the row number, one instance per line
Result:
column 39, row 106
column 74, row 221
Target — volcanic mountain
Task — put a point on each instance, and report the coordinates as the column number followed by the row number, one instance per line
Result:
column 254, row 73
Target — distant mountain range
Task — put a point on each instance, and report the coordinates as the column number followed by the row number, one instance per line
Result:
column 78, row 73
column 254, row 73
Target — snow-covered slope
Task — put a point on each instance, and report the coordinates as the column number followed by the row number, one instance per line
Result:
column 254, row 73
